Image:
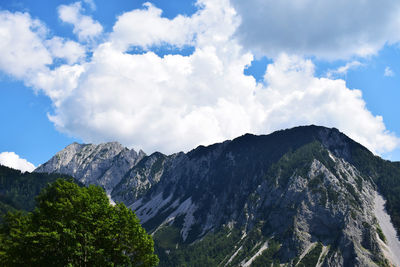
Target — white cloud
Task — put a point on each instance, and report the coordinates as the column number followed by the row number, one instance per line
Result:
column 146, row 27
column 344, row 69
column 21, row 47
column 177, row 102
column 84, row 26
column 329, row 29
column 66, row 49
column 214, row 22
column 388, row 72
column 26, row 53
column 297, row 97
column 169, row 103
column 12, row 160
column 59, row 83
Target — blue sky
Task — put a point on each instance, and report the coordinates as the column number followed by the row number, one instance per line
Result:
column 171, row 75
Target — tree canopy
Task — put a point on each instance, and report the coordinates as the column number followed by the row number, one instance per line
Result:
column 75, row 226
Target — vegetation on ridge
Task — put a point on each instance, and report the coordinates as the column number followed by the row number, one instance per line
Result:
column 18, row 190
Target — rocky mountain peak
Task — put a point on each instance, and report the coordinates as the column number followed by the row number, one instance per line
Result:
column 102, row 164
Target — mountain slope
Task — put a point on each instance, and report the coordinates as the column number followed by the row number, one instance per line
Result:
column 146, row 173
column 18, row 190
column 296, row 188
column 308, row 196
column 303, row 196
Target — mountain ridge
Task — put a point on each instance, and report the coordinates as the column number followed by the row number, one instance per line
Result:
column 309, row 175
column 93, row 164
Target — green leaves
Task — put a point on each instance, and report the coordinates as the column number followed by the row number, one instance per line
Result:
column 75, row 226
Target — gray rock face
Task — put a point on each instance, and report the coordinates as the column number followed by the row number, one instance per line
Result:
column 323, row 204
column 391, row 244
column 103, row 164
column 139, row 179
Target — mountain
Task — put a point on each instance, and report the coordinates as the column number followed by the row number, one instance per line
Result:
column 302, row 197
column 103, row 164
column 18, row 190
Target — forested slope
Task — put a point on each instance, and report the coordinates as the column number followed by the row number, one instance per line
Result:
column 18, row 190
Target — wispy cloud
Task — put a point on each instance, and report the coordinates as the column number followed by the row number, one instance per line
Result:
column 388, row 72
column 344, row 69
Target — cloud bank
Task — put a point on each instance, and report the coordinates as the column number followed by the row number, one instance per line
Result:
column 174, row 102
column 12, row 160
column 328, row 29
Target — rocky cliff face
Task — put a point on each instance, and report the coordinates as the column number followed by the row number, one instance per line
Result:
column 103, row 164
column 299, row 197
column 139, row 179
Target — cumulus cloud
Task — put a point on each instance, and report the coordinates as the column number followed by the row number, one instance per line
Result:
column 26, row 53
column 84, row 26
column 388, row 72
column 69, row 50
column 145, row 27
column 21, row 45
column 297, row 97
column 173, row 102
column 214, row 23
column 327, row 29
column 12, row 160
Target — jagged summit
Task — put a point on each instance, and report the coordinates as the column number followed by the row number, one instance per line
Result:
column 102, row 164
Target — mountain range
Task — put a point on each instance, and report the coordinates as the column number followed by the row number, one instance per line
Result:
column 306, row 196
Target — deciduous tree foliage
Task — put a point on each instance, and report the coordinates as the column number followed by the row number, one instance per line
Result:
column 75, row 226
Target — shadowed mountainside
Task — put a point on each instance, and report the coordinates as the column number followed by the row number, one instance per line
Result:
column 300, row 196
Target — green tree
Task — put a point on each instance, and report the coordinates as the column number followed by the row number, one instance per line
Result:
column 75, row 226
